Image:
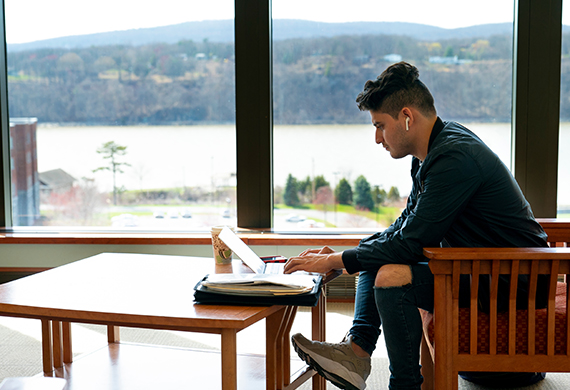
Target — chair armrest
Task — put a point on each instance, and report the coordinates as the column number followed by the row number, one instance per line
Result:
column 441, row 259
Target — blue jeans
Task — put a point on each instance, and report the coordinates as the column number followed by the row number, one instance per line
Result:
column 396, row 309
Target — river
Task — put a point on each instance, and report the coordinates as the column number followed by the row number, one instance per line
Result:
column 176, row 156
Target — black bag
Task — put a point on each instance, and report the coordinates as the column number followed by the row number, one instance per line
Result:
column 503, row 380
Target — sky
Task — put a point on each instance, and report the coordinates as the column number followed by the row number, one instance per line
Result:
column 32, row 20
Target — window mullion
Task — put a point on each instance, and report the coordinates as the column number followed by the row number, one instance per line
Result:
column 5, row 166
column 536, row 101
column 254, row 113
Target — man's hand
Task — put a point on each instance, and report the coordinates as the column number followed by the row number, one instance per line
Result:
column 320, row 260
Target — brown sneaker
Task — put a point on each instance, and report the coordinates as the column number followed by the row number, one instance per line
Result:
column 335, row 362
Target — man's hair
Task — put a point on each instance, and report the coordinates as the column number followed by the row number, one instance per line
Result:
column 397, row 87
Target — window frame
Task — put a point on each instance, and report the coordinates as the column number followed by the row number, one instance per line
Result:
column 536, row 84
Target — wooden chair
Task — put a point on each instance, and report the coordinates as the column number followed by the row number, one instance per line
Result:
column 464, row 339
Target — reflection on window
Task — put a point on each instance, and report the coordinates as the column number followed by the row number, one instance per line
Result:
column 328, row 171
column 129, row 126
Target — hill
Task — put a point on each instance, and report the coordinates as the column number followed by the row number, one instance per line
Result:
column 223, row 31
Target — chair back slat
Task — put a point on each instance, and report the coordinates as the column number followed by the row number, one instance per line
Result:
column 493, row 319
column 531, row 307
column 513, row 307
column 455, row 279
column 567, row 277
column 473, row 307
column 551, row 308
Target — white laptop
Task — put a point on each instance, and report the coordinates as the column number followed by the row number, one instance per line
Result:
column 247, row 255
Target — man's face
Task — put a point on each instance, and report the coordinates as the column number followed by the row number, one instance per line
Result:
column 391, row 134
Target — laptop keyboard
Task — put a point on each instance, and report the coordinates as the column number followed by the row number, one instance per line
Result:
column 274, row 268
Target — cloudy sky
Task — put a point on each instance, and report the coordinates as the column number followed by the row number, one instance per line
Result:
column 55, row 18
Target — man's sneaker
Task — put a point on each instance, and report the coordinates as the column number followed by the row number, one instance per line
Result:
column 336, row 362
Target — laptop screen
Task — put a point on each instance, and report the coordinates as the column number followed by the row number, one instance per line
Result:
column 245, row 253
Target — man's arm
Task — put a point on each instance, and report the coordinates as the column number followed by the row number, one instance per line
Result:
column 447, row 188
column 320, row 260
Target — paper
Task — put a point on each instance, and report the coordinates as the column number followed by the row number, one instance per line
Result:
column 260, row 284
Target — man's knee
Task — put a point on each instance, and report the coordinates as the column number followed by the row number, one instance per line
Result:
column 393, row 275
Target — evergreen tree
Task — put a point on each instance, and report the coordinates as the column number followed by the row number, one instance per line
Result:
column 305, row 186
column 290, row 196
column 363, row 194
column 394, row 194
column 320, row 181
column 343, row 192
column 379, row 195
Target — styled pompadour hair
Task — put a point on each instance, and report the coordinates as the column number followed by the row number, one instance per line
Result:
column 397, row 87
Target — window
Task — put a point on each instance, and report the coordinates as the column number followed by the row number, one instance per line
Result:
column 124, row 118
column 328, row 171
column 533, row 33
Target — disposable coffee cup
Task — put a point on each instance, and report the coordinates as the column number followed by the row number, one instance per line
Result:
column 222, row 254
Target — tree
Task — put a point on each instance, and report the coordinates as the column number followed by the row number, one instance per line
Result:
column 111, row 151
column 343, row 192
column 320, row 181
column 363, row 194
column 290, row 196
column 394, row 194
column 379, row 195
column 324, row 196
column 103, row 64
column 305, row 188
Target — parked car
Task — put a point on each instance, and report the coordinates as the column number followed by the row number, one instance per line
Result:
column 186, row 213
column 226, row 213
column 310, row 223
column 295, row 218
column 125, row 220
column 173, row 213
column 159, row 214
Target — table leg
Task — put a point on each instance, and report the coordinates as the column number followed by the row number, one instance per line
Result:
column 278, row 351
column 113, row 334
column 285, row 345
column 57, row 344
column 318, row 316
column 67, row 350
column 229, row 359
column 47, row 350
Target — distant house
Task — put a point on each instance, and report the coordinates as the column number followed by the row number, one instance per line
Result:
column 392, row 57
column 448, row 60
column 56, row 180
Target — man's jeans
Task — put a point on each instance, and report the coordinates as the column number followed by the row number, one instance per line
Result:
column 396, row 308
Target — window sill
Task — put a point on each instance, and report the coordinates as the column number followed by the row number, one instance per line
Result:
column 251, row 237
column 119, row 238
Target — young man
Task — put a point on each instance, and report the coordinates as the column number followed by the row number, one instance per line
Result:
column 462, row 195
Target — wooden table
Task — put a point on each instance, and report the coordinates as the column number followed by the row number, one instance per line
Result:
column 155, row 292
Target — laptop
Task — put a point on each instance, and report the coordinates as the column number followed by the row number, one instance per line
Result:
column 247, row 255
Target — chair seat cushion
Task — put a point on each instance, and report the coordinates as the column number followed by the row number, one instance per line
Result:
column 483, row 329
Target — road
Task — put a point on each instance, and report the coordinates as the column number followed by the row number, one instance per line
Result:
column 203, row 217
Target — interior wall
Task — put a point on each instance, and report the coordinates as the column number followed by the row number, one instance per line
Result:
column 15, row 255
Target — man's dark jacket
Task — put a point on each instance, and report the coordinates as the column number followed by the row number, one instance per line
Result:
column 462, row 196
